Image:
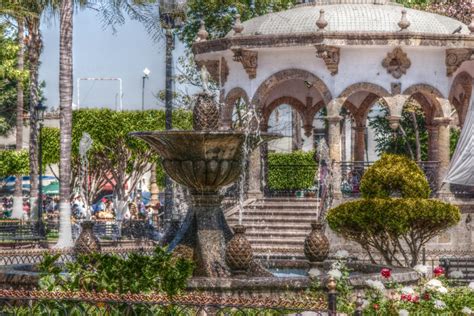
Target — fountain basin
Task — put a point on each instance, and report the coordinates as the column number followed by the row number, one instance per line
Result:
column 202, row 160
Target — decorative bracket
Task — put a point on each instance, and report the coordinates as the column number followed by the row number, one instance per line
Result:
column 455, row 57
column 330, row 55
column 396, row 63
column 248, row 59
column 218, row 71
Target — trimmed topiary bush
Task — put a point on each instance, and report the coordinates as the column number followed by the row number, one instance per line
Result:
column 394, row 174
column 395, row 227
column 291, row 171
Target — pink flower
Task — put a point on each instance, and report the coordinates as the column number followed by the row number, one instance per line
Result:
column 438, row 271
column 386, row 273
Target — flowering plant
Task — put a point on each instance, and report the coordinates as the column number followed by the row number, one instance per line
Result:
column 386, row 273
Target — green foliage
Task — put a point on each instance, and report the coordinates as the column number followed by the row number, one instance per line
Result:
column 291, row 171
column 50, row 141
column 13, row 163
column 454, row 139
column 219, row 15
column 9, row 78
column 161, row 272
column 397, row 228
column 394, row 174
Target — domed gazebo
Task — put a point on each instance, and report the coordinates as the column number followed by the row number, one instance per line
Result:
column 349, row 54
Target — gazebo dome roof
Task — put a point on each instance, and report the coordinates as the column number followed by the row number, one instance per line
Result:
column 360, row 16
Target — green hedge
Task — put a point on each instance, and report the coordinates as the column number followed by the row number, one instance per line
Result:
column 291, row 171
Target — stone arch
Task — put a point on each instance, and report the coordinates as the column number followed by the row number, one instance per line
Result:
column 364, row 87
column 291, row 101
column 374, row 91
column 286, row 75
column 229, row 103
column 461, row 101
column 428, row 97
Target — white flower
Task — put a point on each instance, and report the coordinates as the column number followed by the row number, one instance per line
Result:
column 471, row 286
column 337, row 265
column 421, row 269
column 336, row 274
column 442, row 290
column 408, row 290
column 403, row 312
column 467, row 311
column 456, row 274
column 434, row 283
column 341, row 254
column 377, row 285
column 439, row 304
column 365, row 303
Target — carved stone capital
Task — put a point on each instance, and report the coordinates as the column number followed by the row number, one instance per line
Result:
column 330, row 55
column 442, row 121
column 248, row 59
column 396, row 63
column 334, row 119
column 455, row 58
column 217, row 70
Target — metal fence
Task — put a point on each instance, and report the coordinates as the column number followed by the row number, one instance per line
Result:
column 19, row 302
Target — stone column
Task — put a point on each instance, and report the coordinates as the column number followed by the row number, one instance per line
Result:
column 432, row 142
column 334, row 143
column 359, row 143
column 443, row 151
column 255, row 175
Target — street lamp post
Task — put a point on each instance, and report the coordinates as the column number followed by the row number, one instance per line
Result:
column 146, row 73
column 172, row 16
column 40, row 109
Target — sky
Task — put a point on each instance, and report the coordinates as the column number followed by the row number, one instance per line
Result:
column 100, row 53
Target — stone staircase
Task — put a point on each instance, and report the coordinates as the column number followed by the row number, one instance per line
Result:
column 276, row 227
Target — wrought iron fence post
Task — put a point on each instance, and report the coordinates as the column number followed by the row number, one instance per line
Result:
column 423, row 252
column 332, row 296
column 359, row 303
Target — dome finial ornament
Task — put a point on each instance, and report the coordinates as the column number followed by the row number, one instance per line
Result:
column 321, row 23
column 202, row 35
column 404, row 23
column 238, row 27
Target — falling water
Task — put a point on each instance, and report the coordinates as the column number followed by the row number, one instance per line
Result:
column 324, row 179
column 85, row 145
column 181, row 199
column 251, row 127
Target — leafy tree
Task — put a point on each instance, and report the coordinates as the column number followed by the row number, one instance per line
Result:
column 13, row 162
column 395, row 217
column 220, row 15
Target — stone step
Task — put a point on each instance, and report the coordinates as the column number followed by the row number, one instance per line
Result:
column 282, row 212
column 276, row 241
column 249, row 218
column 276, row 234
column 303, row 226
column 291, row 205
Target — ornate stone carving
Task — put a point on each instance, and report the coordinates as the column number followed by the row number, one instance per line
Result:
column 316, row 245
column 248, row 59
column 87, row 242
column 330, row 55
column 397, row 63
column 238, row 253
column 205, row 113
column 321, row 23
column 404, row 23
column 455, row 58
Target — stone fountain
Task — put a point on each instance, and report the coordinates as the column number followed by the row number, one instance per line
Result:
column 205, row 160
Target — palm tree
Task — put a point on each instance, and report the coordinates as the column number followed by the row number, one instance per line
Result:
column 65, row 106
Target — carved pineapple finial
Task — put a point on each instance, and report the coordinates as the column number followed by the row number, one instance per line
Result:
column 202, row 35
column 321, row 23
column 404, row 23
column 238, row 27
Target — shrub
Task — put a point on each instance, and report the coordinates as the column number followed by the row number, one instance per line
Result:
column 291, row 171
column 397, row 228
column 394, row 174
column 161, row 272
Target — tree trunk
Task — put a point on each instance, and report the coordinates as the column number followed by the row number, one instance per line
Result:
column 18, row 195
column 65, row 106
column 35, row 46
